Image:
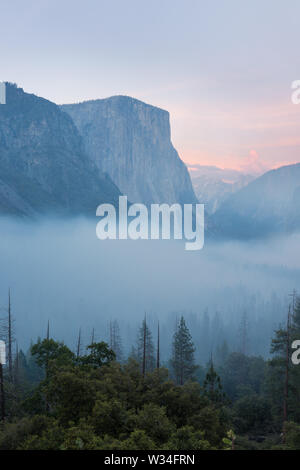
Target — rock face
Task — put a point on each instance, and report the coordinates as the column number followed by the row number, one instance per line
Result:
column 268, row 205
column 130, row 140
column 43, row 165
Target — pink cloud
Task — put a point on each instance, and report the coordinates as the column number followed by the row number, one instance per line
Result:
column 252, row 164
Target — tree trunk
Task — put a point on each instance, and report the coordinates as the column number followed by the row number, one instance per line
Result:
column 10, row 339
column 2, row 398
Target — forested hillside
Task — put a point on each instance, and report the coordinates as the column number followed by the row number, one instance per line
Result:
column 95, row 398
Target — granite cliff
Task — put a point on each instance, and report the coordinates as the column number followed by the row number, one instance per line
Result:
column 131, row 141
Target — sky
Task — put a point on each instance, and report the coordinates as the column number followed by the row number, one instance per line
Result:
column 222, row 68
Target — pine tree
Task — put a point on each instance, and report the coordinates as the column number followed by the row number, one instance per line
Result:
column 212, row 385
column 183, row 362
column 145, row 349
column 93, row 336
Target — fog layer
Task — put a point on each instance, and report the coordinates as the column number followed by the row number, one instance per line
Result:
column 60, row 271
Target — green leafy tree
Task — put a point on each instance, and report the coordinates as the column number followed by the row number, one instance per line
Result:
column 292, row 436
column 48, row 351
column 99, row 355
column 81, row 437
column 242, row 375
column 110, row 416
column 72, row 393
column 252, row 413
column 212, row 423
column 50, row 355
column 138, row 440
column 186, row 438
column 154, row 421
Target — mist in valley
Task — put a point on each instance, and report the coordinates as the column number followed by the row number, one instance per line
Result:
column 60, row 271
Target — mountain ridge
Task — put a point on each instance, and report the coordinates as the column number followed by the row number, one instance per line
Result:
column 268, row 205
column 43, row 167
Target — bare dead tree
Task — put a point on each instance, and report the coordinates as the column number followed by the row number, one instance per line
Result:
column 2, row 396
column 110, row 335
column 144, row 347
column 78, row 351
column 7, row 334
column 10, row 339
column 48, row 330
column 93, row 336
